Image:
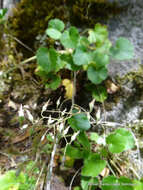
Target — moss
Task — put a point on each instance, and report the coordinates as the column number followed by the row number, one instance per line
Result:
column 90, row 12
column 136, row 77
column 30, row 17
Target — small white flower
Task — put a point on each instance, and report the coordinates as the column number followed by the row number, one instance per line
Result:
column 101, row 141
column 74, row 136
column 29, row 115
column 24, row 126
column 88, row 115
column 42, row 138
column 98, row 114
column 45, row 106
column 64, row 111
column 58, row 102
column 50, row 120
column 1, row 72
column 21, row 111
column 91, row 105
column 66, row 131
column 60, row 127
column 26, row 106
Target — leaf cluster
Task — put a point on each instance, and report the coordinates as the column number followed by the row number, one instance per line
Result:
column 94, row 162
column 10, row 181
column 90, row 52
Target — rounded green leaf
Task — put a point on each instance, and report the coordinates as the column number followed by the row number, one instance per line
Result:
column 48, row 59
column 104, row 47
column 81, row 56
column 56, row 24
column 83, row 41
column 74, row 152
column 93, row 166
column 94, row 137
column 96, row 76
column 43, row 58
column 120, row 141
column 100, row 59
column 110, row 183
column 83, row 140
column 100, row 33
column 123, row 50
column 92, row 36
column 89, row 183
column 138, row 185
column 69, row 64
column 70, row 38
column 125, row 183
column 79, row 122
column 53, row 33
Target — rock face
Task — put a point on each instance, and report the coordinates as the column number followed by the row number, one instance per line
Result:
column 9, row 4
column 128, row 24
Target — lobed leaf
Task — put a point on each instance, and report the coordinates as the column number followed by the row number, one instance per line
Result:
column 56, row 24
column 89, row 183
column 48, row 59
column 123, row 50
column 96, row 76
column 74, row 152
column 93, row 165
column 81, row 56
column 120, row 141
column 79, row 122
column 83, row 140
column 70, row 38
column 53, row 33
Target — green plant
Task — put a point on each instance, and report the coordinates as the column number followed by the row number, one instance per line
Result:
column 90, row 52
column 96, row 151
column 2, row 15
column 11, row 181
column 96, row 160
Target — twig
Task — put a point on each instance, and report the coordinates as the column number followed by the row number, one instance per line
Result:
column 70, row 188
column 36, row 185
column 116, row 167
column 50, row 168
column 28, row 60
column 111, row 169
column 133, row 170
column 74, row 90
column 20, row 42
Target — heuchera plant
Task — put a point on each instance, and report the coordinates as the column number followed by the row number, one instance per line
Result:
column 90, row 52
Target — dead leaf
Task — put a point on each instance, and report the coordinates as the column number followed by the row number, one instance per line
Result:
column 68, row 84
column 11, row 104
column 105, row 172
column 111, row 87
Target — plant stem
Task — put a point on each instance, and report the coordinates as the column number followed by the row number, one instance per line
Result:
column 50, row 168
column 74, row 90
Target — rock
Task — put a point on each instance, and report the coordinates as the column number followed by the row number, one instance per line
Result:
column 129, row 24
column 9, row 4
